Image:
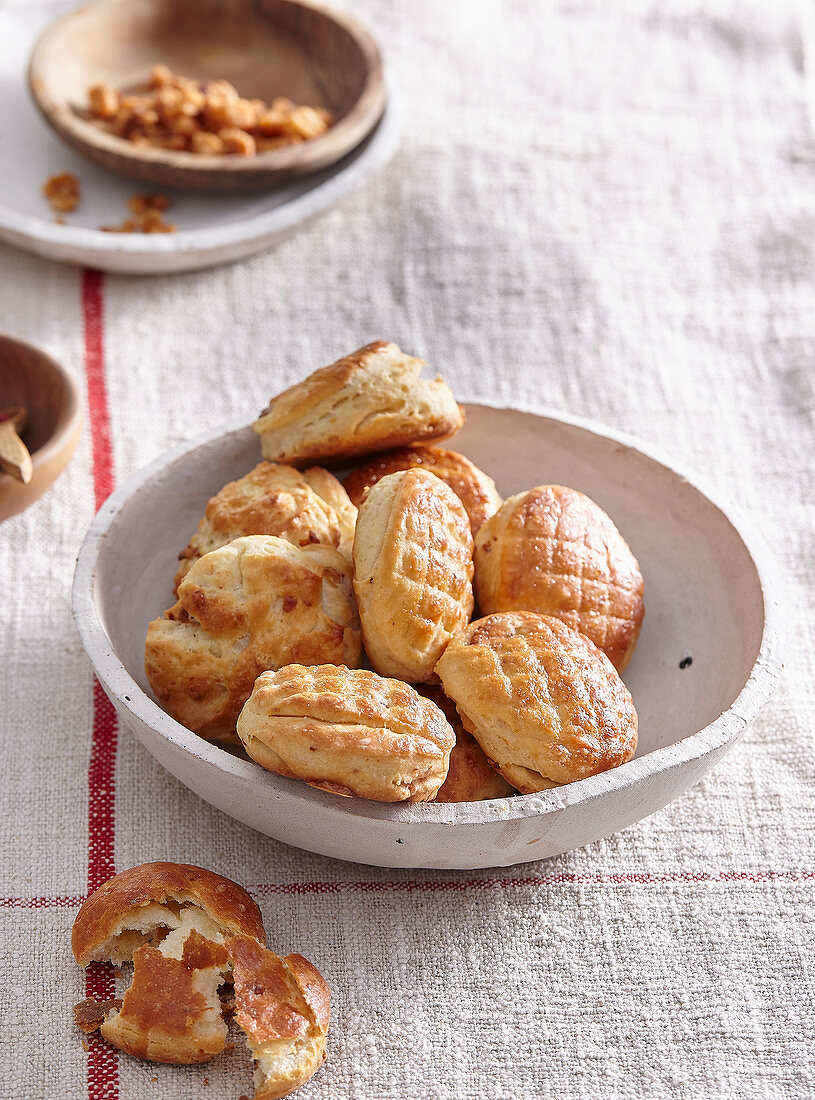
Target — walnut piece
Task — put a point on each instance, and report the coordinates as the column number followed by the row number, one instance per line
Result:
column 206, row 117
column 63, row 192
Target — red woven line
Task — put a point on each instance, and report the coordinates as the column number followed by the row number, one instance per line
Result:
column 101, row 791
column 101, row 440
column 103, row 1066
column 461, row 885
column 64, row 902
column 103, row 1062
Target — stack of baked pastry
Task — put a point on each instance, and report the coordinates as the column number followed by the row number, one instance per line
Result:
column 328, row 627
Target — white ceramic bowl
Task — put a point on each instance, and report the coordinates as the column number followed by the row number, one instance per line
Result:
column 706, row 598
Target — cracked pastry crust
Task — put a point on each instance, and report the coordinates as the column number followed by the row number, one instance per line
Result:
column 283, row 1007
column 127, row 911
column 544, row 703
column 348, row 731
column 257, row 603
column 304, row 507
column 371, row 400
column 187, row 931
column 171, row 1012
column 475, row 489
column 413, row 571
column 470, row 776
column 554, row 551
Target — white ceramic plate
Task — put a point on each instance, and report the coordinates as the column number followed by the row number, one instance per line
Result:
column 706, row 598
column 212, row 229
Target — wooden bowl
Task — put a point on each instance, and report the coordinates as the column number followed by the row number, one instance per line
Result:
column 30, row 377
column 706, row 596
column 267, row 48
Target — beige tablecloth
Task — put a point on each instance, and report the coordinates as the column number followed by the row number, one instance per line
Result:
column 604, row 208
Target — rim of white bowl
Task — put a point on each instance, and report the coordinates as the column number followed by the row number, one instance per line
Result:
column 127, row 693
column 353, row 170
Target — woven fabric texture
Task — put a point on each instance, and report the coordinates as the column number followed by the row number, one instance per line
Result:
column 606, row 209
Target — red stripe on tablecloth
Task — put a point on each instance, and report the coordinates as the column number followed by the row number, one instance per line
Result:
column 101, row 440
column 557, row 878
column 103, row 1066
column 66, row 901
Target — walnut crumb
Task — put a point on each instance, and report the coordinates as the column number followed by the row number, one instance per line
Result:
column 207, row 117
column 147, row 217
column 63, row 192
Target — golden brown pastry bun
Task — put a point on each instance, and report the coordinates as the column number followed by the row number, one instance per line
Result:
column 257, row 603
column 554, row 551
column 347, row 731
column 127, row 911
column 413, row 573
column 470, row 776
column 544, row 703
column 368, row 401
column 475, row 489
column 302, row 507
column 282, row 1005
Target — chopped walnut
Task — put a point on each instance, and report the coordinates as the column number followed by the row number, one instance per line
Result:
column 205, row 117
column 104, row 100
column 160, row 75
column 237, row 141
column 139, row 204
column 152, row 222
column 304, row 122
column 206, row 143
column 63, row 192
column 147, row 217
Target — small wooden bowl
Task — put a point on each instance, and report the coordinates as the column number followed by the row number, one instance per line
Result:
column 30, row 377
column 266, row 48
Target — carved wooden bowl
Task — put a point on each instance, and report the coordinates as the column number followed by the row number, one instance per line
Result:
column 266, row 48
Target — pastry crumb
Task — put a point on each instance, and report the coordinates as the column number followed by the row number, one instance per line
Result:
column 89, row 1015
column 63, row 192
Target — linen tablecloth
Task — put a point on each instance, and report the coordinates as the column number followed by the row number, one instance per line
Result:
column 608, row 209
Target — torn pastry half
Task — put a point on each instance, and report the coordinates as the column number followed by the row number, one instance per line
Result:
column 283, row 1007
column 173, row 1011
column 171, row 921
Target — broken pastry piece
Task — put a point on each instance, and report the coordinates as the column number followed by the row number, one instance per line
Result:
column 282, row 1005
column 305, row 508
column 257, row 603
column 371, row 400
column 149, row 903
column 172, row 1011
column 170, row 920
